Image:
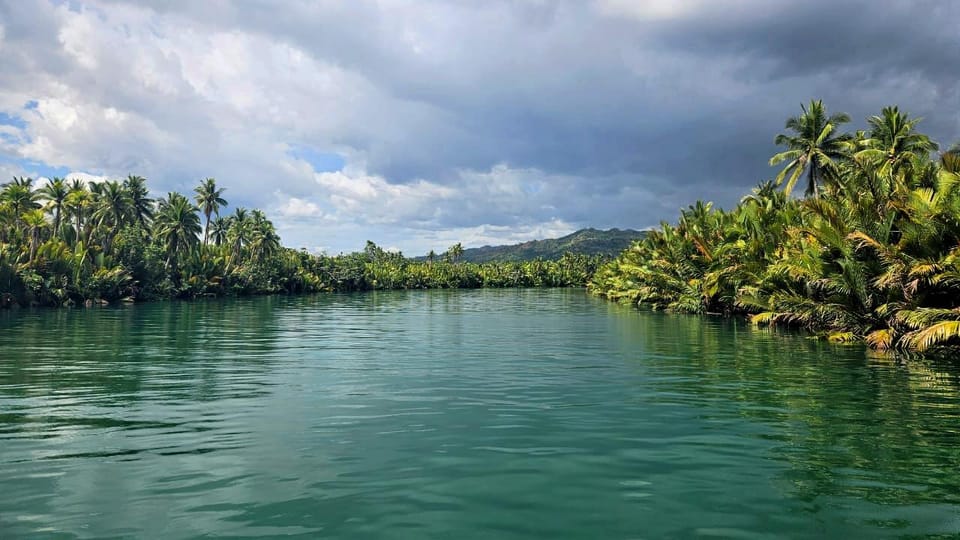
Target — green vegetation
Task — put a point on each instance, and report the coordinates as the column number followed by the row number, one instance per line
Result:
column 590, row 242
column 872, row 253
column 70, row 243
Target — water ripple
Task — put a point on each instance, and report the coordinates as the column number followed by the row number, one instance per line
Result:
column 460, row 414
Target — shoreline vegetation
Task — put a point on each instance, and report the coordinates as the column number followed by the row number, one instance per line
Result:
column 870, row 254
column 71, row 243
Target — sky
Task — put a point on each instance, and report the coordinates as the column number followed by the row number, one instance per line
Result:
column 418, row 124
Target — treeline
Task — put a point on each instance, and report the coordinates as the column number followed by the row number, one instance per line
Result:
column 68, row 243
column 377, row 269
column 871, row 253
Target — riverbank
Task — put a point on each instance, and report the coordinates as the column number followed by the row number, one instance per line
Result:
column 73, row 243
column 871, row 254
column 295, row 272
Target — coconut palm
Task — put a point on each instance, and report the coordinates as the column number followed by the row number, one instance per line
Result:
column 6, row 220
column 240, row 230
column 264, row 239
column 112, row 211
column 814, row 147
column 178, row 227
column 22, row 181
column 141, row 205
column 20, row 196
column 219, row 229
column 55, row 193
column 35, row 222
column 455, row 252
column 209, row 199
column 77, row 202
column 893, row 143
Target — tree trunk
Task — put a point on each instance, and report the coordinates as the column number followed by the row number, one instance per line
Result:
column 206, row 229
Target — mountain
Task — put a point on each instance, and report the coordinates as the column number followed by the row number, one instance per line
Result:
column 586, row 241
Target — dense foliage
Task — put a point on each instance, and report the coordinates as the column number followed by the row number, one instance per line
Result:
column 70, row 242
column 872, row 253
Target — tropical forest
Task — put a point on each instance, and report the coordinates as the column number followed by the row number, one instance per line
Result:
column 870, row 252
column 70, row 242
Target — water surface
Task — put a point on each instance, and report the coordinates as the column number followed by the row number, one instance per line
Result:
column 461, row 414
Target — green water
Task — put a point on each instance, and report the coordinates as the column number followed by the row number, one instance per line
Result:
column 464, row 414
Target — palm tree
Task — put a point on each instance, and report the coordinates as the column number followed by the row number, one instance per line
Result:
column 22, row 181
column 219, row 229
column 141, row 205
column 264, row 239
column 178, row 226
column 239, row 230
column 35, row 222
column 113, row 210
column 55, row 192
column 455, row 252
column 6, row 220
column 813, row 147
column 21, row 198
column 77, row 201
column 209, row 199
column 893, row 144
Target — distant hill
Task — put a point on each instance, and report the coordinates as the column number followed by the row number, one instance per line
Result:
column 586, row 241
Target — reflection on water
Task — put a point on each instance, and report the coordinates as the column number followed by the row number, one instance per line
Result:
column 459, row 414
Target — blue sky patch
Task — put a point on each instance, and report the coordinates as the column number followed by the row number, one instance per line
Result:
column 9, row 120
column 320, row 161
column 35, row 169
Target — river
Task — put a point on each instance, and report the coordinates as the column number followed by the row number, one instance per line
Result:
column 501, row 414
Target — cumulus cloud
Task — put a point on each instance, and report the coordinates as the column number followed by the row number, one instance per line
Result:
column 472, row 121
column 299, row 208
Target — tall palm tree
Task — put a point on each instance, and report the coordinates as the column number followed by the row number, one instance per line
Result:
column 814, row 147
column 77, row 201
column 178, row 226
column 264, row 238
column 113, row 211
column 240, row 224
column 22, row 181
column 893, row 144
column 55, row 192
column 76, row 184
column 35, row 222
column 20, row 196
column 141, row 205
column 209, row 199
column 455, row 252
column 219, row 229
column 6, row 220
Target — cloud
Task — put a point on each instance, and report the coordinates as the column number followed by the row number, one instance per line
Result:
column 659, row 11
column 299, row 208
column 408, row 123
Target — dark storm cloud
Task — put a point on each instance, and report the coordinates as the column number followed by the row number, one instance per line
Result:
column 563, row 88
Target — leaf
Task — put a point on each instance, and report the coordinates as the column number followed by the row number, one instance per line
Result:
column 841, row 337
column 932, row 336
column 880, row 339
